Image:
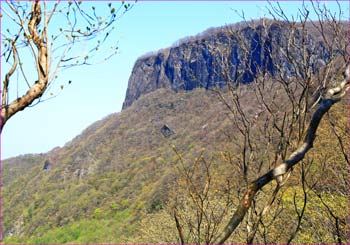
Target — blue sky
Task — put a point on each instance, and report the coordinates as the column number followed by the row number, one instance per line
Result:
column 97, row 91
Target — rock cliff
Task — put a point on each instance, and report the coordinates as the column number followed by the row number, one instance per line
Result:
column 240, row 49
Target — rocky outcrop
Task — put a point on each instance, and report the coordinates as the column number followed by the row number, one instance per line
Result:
column 200, row 61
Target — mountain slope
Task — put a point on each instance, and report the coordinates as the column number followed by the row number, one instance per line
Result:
column 122, row 169
column 122, row 164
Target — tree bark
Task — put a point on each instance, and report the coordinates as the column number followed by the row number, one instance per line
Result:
column 38, row 88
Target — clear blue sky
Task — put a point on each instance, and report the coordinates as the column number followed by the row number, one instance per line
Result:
column 98, row 91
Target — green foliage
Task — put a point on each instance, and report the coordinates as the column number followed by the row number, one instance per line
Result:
column 97, row 213
column 114, row 206
column 81, row 232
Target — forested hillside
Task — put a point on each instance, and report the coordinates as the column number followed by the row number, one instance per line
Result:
column 112, row 183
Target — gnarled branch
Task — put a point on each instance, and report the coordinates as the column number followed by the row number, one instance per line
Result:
column 38, row 88
column 333, row 96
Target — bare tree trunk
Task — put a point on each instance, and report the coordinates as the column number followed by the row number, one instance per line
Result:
column 334, row 95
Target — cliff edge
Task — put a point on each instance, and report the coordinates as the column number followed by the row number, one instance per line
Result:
column 199, row 61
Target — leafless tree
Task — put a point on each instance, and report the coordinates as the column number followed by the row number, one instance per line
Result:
column 32, row 31
column 276, row 119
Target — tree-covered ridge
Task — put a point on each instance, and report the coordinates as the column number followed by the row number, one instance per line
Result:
column 124, row 165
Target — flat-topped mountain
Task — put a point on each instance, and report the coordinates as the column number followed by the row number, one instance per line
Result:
column 198, row 62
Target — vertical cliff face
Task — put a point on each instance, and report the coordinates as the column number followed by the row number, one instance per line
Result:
column 147, row 75
column 240, row 51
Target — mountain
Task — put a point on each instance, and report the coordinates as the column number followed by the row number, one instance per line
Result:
column 114, row 182
column 194, row 62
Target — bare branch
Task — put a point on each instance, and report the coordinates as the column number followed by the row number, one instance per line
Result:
column 293, row 159
column 178, row 227
column 8, row 75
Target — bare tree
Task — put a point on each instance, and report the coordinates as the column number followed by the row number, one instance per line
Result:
column 33, row 32
column 295, row 82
